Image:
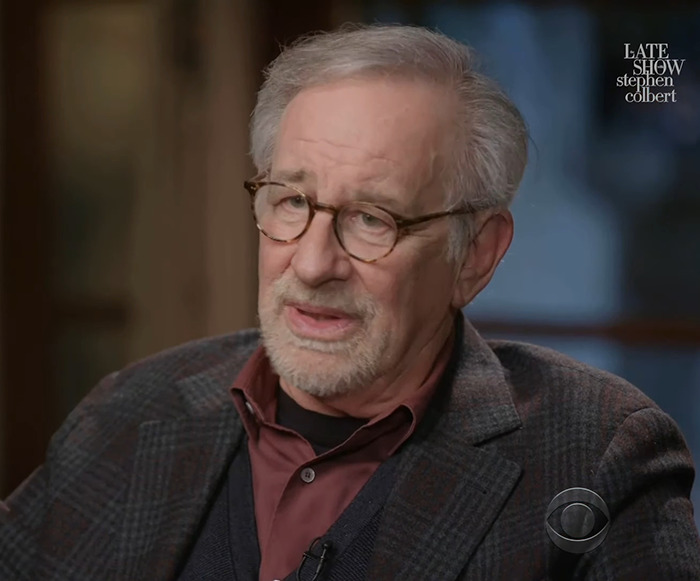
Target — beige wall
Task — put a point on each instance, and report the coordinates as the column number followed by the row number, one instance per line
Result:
column 230, row 234
column 180, row 135
column 193, row 256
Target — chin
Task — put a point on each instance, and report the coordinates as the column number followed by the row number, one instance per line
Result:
column 325, row 369
column 321, row 375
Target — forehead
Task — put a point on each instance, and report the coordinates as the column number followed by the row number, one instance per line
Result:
column 391, row 133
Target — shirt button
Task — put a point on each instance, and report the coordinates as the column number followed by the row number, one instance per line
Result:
column 308, row 475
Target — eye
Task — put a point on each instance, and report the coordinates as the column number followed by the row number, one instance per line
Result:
column 577, row 520
column 371, row 221
column 367, row 220
column 293, row 202
column 281, row 197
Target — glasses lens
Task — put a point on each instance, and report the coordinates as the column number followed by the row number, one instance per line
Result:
column 367, row 232
column 281, row 212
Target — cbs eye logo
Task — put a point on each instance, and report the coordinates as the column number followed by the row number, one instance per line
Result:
column 577, row 520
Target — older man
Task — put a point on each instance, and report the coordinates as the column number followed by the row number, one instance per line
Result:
column 367, row 431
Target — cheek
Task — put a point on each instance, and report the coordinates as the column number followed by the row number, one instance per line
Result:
column 273, row 260
column 394, row 291
column 420, row 293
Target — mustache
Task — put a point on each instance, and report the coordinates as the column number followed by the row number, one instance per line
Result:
column 288, row 289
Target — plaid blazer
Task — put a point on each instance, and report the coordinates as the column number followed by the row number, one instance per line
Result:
column 130, row 474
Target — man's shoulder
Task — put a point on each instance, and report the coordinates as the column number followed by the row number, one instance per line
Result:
column 573, row 415
column 553, row 378
column 191, row 376
column 199, row 356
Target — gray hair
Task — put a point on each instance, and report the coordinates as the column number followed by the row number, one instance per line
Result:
column 490, row 144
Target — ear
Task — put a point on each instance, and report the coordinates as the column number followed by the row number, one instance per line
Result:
column 485, row 252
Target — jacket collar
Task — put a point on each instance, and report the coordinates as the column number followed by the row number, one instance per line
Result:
column 178, row 465
column 449, row 490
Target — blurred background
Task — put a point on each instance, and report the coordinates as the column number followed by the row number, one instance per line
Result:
column 124, row 227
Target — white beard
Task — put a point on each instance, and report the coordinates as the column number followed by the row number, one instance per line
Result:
column 322, row 368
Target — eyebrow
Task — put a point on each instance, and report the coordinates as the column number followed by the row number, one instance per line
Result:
column 380, row 199
column 298, row 177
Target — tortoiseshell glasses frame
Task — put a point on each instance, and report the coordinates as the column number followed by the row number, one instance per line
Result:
column 398, row 225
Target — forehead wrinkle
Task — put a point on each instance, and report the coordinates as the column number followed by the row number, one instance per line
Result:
column 305, row 169
column 335, row 145
column 404, row 196
column 343, row 164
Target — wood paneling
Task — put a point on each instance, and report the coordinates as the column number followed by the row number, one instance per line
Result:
column 26, row 235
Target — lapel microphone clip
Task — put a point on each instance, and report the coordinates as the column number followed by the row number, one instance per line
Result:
column 322, row 559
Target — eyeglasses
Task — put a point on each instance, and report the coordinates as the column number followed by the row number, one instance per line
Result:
column 365, row 231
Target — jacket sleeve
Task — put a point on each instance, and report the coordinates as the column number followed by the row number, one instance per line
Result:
column 645, row 476
column 24, row 513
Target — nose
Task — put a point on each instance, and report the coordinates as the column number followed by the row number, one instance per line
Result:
column 319, row 257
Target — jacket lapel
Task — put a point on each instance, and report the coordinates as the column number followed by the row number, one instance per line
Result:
column 178, row 465
column 449, row 490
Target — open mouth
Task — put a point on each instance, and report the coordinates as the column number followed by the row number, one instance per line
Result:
column 319, row 322
column 319, row 316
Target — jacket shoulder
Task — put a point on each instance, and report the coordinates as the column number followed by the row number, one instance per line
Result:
column 547, row 376
column 198, row 356
column 582, row 427
column 172, row 383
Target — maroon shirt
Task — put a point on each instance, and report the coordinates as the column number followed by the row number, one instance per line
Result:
column 298, row 494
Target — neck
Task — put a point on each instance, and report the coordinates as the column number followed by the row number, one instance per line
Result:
column 387, row 392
